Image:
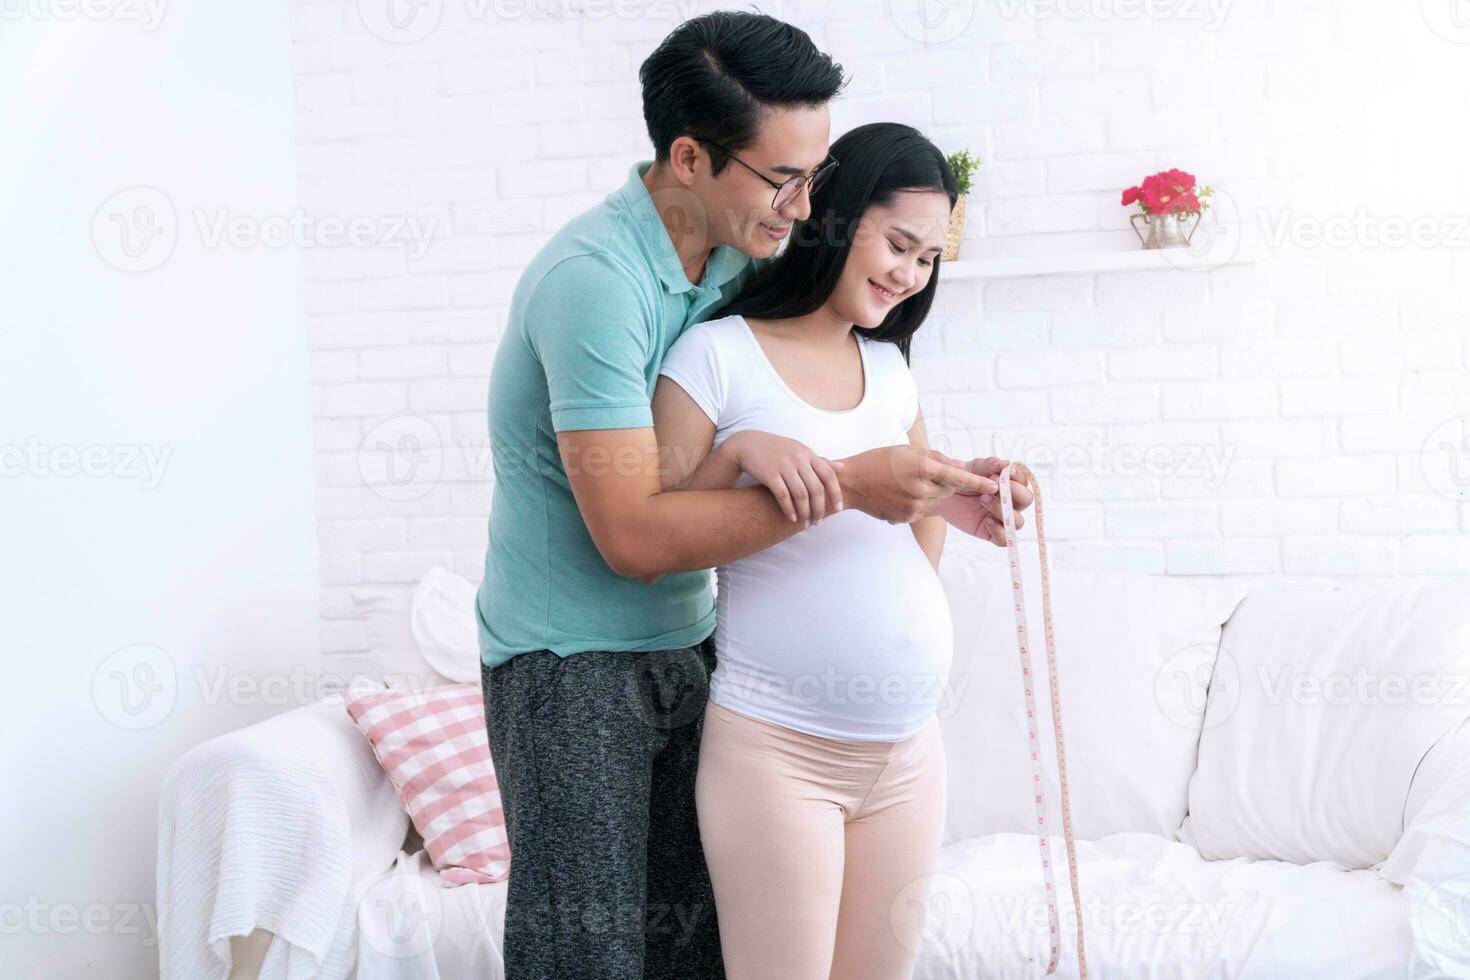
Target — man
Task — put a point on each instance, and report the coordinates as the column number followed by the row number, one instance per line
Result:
column 596, row 612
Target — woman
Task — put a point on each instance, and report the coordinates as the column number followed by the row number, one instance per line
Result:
column 821, row 778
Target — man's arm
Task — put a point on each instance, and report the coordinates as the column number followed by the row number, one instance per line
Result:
column 640, row 530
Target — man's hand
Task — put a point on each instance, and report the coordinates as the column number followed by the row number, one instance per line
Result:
column 982, row 515
column 902, row 484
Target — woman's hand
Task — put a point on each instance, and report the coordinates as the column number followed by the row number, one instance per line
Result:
column 982, row 515
column 803, row 483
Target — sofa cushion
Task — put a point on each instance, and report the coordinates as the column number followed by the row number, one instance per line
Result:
column 433, row 746
column 442, row 619
column 1322, row 706
column 1134, row 653
column 1152, row 909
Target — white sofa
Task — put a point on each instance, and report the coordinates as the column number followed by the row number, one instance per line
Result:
column 1265, row 782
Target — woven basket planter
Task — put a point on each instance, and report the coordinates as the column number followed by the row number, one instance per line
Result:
column 956, row 230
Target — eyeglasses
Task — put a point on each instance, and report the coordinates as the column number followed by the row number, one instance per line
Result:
column 787, row 190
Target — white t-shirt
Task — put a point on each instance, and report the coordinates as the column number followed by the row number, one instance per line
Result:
column 842, row 630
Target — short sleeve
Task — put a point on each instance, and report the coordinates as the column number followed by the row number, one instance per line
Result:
column 591, row 328
column 694, row 362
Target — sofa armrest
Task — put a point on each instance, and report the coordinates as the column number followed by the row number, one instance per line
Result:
column 1432, row 858
column 277, row 827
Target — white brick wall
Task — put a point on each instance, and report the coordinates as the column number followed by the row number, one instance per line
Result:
column 1264, row 419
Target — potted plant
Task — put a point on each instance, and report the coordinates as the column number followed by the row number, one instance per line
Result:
column 1166, row 199
column 963, row 165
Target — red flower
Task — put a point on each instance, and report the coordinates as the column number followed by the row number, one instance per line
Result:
column 1165, row 192
column 1156, row 194
column 1179, row 179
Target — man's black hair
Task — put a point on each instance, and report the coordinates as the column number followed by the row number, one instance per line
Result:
column 712, row 77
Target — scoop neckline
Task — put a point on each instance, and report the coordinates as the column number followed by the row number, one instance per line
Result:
column 776, row 375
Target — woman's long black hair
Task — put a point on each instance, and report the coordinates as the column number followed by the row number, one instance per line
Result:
column 875, row 163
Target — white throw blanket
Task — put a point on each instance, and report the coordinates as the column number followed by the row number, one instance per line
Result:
column 254, row 832
column 1432, row 860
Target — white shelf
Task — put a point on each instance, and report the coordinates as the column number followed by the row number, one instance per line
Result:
column 1227, row 250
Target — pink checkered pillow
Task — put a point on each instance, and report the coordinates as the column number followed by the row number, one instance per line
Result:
column 432, row 744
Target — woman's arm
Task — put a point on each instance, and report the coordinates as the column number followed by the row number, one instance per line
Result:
column 685, row 434
column 803, row 483
column 928, row 531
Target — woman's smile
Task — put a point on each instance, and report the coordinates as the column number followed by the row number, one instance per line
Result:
column 885, row 294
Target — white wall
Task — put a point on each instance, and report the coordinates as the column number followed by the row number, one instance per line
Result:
column 130, row 590
column 1329, row 381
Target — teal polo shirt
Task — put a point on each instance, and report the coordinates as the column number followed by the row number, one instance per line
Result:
column 589, row 324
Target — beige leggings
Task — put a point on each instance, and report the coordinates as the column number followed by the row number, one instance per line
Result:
column 818, row 850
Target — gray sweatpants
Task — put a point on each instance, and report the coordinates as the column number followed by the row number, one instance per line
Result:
column 595, row 755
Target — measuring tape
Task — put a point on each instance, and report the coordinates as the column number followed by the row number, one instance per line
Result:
column 1028, row 479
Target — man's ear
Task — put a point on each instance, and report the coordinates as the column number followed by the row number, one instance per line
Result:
column 686, row 155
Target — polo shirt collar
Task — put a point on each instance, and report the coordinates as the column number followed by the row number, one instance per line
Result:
column 724, row 262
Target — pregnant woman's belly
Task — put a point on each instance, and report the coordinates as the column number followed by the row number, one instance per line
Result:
column 842, row 631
